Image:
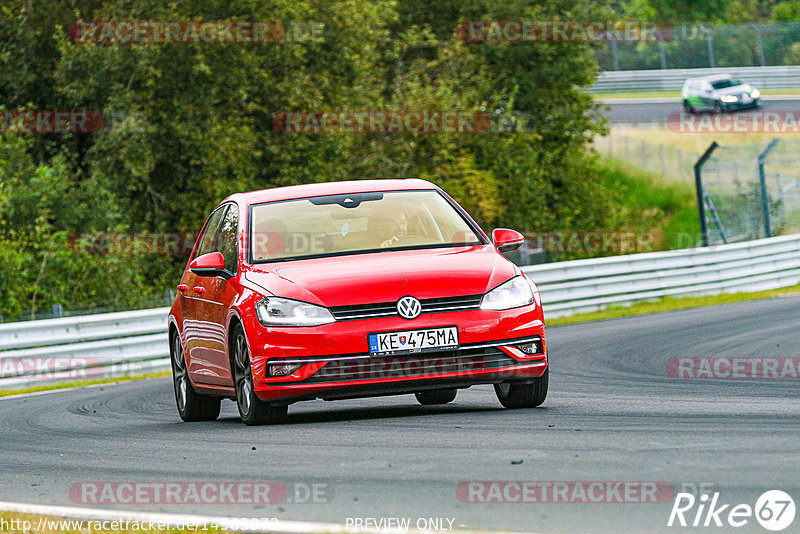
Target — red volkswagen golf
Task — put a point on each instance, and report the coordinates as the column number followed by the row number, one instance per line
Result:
column 351, row 289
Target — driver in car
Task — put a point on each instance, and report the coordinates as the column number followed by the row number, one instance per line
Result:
column 399, row 230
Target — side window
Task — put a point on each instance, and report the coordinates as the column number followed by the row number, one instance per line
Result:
column 228, row 236
column 208, row 243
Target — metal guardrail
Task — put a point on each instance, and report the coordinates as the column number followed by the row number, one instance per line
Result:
column 672, row 79
column 588, row 285
column 115, row 344
column 107, row 345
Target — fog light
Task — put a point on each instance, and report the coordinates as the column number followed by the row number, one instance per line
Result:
column 531, row 347
column 283, row 369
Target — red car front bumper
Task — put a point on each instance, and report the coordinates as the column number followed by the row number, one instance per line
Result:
column 335, row 361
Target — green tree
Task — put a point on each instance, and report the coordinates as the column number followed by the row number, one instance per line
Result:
column 188, row 124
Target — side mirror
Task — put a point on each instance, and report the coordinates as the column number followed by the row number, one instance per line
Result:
column 211, row 264
column 507, row 240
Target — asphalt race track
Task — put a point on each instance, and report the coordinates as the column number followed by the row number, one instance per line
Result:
column 656, row 111
column 613, row 414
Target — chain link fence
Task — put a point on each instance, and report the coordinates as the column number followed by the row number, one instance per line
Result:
column 697, row 46
column 749, row 191
column 781, row 169
column 670, row 162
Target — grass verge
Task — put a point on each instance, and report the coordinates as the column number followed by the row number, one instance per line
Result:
column 694, row 144
column 672, row 304
column 650, row 203
column 81, row 383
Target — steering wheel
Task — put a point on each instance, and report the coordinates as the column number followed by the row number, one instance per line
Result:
column 397, row 240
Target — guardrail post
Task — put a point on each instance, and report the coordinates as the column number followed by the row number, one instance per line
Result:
column 762, row 178
column 698, row 183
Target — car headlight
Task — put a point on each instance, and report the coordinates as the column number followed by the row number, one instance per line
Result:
column 755, row 93
column 512, row 294
column 274, row 311
column 728, row 99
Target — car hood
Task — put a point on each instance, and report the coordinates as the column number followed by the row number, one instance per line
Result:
column 385, row 276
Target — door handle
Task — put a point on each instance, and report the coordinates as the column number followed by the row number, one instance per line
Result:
column 199, row 290
column 182, row 287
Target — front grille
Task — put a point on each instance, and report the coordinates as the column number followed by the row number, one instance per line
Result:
column 410, row 365
column 389, row 309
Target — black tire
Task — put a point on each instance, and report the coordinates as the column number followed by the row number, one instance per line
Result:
column 717, row 107
column 252, row 410
column 687, row 107
column 436, row 396
column 192, row 406
column 529, row 395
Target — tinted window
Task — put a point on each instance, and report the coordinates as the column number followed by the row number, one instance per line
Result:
column 208, row 241
column 724, row 84
column 228, row 234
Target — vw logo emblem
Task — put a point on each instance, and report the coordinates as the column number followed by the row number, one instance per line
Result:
column 409, row 307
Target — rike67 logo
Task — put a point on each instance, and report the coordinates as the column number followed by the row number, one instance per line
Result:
column 774, row 510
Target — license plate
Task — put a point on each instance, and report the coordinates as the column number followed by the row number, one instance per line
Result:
column 414, row 341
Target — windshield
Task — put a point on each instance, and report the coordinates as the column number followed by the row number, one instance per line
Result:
column 724, row 84
column 356, row 223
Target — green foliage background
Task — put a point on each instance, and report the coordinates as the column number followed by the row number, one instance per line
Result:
column 192, row 123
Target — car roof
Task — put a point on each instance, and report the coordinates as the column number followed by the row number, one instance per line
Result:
column 710, row 78
column 329, row 188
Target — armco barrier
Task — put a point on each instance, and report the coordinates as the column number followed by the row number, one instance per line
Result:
column 587, row 285
column 133, row 341
column 672, row 79
column 94, row 346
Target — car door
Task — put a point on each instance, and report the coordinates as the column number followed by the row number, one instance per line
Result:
column 191, row 302
column 214, row 295
column 693, row 95
column 708, row 95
